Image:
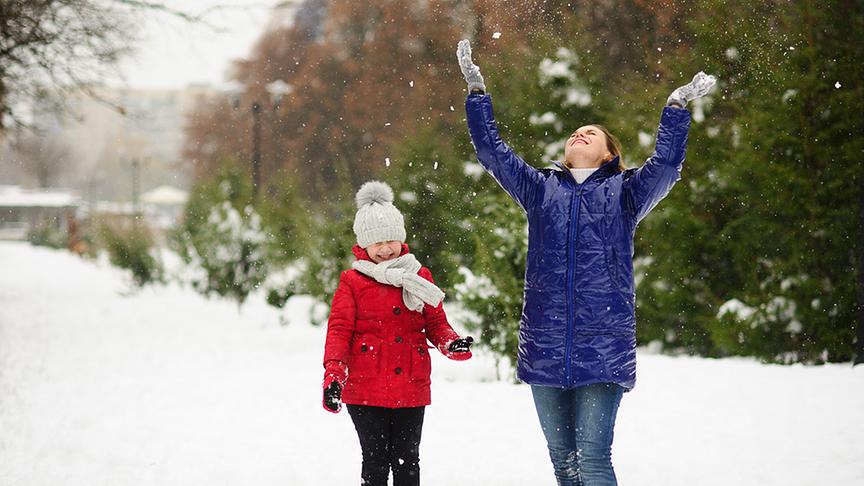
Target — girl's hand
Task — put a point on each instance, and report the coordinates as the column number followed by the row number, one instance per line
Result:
column 469, row 69
column 332, row 400
column 335, row 376
column 460, row 349
column 700, row 86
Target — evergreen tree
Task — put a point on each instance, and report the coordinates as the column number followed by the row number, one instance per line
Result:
column 757, row 246
column 757, row 250
column 222, row 236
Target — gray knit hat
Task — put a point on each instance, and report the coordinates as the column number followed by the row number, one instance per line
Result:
column 377, row 218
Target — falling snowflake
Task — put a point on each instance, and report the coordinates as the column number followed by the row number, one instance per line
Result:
column 496, row 35
column 435, row 167
column 411, row 83
column 837, row 85
column 732, row 53
column 387, row 161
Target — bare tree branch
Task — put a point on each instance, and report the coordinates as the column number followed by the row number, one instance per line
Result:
column 60, row 46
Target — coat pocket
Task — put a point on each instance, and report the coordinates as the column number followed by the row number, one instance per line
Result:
column 614, row 269
column 421, row 362
column 365, row 357
column 609, row 258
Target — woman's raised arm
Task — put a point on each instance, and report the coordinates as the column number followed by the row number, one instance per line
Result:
column 653, row 181
column 521, row 181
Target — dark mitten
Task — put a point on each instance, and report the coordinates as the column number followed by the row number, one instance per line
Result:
column 335, row 375
column 459, row 349
column 461, row 345
column 333, row 397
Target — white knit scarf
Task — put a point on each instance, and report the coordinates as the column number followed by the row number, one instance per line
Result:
column 402, row 272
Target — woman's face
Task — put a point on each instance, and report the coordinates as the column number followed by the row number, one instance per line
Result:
column 384, row 250
column 586, row 147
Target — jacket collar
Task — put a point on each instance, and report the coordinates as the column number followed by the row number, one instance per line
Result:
column 362, row 254
column 606, row 169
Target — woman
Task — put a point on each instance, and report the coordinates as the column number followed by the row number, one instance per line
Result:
column 577, row 338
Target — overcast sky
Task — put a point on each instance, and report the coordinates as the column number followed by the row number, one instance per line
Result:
column 174, row 53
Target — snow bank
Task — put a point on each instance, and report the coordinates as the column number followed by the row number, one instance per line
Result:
column 100, row 386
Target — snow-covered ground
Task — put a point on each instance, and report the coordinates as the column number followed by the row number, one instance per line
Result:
column 103, row 386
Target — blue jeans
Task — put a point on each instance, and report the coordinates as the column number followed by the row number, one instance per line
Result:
column 578, row 424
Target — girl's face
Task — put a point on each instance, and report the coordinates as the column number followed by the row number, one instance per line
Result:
column 586, row 148
column 384, row 250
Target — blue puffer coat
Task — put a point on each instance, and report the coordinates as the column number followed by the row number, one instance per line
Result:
column 578, row 317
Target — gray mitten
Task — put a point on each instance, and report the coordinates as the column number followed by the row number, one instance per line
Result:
column 469, row 69
column 700, row 86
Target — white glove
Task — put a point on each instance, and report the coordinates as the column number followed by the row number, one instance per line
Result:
column 700, row 86
column 469, row 69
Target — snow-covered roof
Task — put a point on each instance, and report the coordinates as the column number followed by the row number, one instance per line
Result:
column 16, row 196
column 113, row 207
column 165, row 195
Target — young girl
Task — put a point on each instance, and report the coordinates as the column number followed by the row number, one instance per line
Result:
column 376, row 358
column 577, row 338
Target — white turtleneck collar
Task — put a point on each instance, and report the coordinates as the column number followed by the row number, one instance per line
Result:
column 581, row 174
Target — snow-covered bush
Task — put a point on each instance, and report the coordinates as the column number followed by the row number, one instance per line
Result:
column 222, row 235
column 328, row 254
column 230, row 250
column 46, row 233
column 287, row 226
column 492, row 288
column 130, row 247
column 281, row 285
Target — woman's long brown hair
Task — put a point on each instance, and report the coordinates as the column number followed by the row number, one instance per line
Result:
column 613, row 145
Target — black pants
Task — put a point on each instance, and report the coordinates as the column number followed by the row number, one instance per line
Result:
column 389, row 438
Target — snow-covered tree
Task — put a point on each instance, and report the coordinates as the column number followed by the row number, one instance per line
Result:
column 223, row 237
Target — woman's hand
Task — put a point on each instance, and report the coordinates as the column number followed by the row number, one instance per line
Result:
column 469, row 69
column 700, row 86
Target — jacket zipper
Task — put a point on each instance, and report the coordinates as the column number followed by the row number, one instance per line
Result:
column 575, row 203
column 568, row 345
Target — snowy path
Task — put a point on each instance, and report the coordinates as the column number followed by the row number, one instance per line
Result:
column 164, row 387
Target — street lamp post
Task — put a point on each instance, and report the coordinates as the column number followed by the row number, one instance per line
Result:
column 136, row 188
column 276, row 91
column 256, row 147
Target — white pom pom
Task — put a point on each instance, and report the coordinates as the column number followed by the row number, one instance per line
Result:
column 374, row 192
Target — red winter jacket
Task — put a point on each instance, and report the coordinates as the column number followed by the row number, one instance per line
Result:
column 382, row 342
